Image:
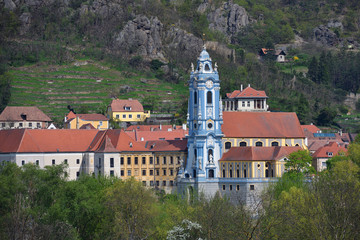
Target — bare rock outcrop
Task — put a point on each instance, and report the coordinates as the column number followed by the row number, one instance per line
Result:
column 141, row 36
column 325, row 36
column 228, row 19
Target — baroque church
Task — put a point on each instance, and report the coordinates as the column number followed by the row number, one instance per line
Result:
column 235, row 152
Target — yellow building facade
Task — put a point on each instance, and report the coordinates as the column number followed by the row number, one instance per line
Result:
column 129, row 110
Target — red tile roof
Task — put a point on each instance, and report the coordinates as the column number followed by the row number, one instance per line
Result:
column 332, row 147
column 118, row 105
column 167, row 145
column 107, row 146
column 87, row 117
column 248, row 92
column 45, row 140
column 311, row 128
column 152, row 127
column 258, row 153
column 123, row 142
column 261, row 125
column 144, row 136
column 31, row 113
column 87, row 126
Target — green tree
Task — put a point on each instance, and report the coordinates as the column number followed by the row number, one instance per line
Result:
column 131, row 210
column 299, row 162
column 313, row 69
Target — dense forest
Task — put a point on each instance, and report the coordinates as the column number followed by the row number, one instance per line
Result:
column 320, row 71
column 41, row 204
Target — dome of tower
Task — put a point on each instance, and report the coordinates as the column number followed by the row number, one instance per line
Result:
column 204, row 55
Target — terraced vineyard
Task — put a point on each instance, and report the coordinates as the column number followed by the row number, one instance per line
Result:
column 87, row 84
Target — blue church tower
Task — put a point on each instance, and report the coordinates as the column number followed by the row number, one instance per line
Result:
column 204, row 120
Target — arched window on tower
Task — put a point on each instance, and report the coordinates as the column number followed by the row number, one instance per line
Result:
column 242, row 144
column 195, row 97
column 227, row 145
column 259, row 144
column 207, row 68
column 275, row 144
column 209, row 97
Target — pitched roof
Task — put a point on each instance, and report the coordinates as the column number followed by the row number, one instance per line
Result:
column 153, row 127
column 118, row 105
column 258, row 153
column 311, row 128
column 107, row 146
column 123, row 142
column 333, row 147
column 261, row 125
column 86, row 117
column 87, row 126
column 167, row 145
column 144, row 136
column 45, row 140
column 248, row 92
column 23, row 114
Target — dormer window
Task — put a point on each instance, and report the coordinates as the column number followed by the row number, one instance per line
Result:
column 23, row 116
column 330, row 154
column 127, row 108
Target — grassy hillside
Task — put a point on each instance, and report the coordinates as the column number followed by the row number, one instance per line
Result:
column 89, row 85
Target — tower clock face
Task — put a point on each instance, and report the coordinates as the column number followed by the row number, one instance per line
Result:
column 209, row 84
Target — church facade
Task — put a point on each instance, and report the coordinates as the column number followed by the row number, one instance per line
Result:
column 236, row 153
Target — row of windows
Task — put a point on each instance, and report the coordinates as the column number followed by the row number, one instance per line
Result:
column 53, row 161
column 130, row 116
column 143, row 161
column 208, row 97
column 30, row 125
column 164, row 183
column 257, row 144
column 151, row 172
column 252, row 187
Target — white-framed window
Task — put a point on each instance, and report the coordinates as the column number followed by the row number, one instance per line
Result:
column 138, row 116
column 130, row 115
column 117, row 116
column 129, row 172
column 100, row 123
column 124, row 115
column 127, row 108
column 243, row 103
column 248, row 103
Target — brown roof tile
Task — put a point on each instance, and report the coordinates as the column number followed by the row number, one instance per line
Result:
column 118, row 105
column 261, row 125
column 30, row 113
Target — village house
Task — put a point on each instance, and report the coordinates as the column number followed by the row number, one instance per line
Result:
column 23, row 117
column 279, row 55
column 130, row 111
column 86, row 121
column 246, row 100
column 326, row 152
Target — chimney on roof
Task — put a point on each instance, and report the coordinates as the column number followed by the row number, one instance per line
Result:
column 184, row 126
column 131, row 144
column 340, row 132
column 160, row 126
column 241, row 88
column 249, row 85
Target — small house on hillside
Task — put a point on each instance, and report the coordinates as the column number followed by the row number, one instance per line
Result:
column 279, row 55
